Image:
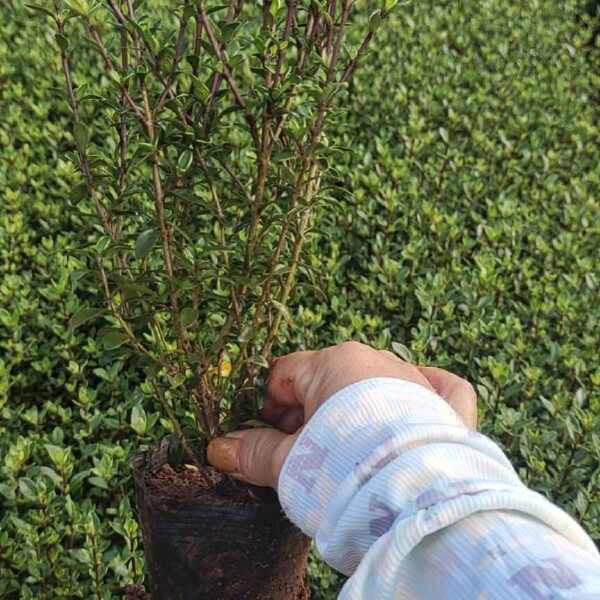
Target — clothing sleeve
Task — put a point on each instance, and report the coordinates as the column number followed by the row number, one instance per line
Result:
column 402, row 497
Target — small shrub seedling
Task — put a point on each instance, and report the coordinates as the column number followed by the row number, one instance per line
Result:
column 469, row 236
column 214, row 119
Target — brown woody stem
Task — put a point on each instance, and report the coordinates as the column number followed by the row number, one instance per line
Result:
column 227, row 74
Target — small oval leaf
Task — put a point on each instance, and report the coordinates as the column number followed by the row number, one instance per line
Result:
column 139, row 420
column 185, row 160
column 188, row 316
column 145, row 242
column 81, row 135
column 402, row 351
column 41, row 9
column 84, row 315
column 113, row 339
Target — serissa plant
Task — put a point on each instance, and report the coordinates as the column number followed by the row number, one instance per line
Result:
column 204, row 165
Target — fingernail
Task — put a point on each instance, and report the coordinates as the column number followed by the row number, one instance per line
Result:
column 223, row 453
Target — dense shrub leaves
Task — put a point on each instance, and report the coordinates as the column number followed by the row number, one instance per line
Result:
column 471, row 236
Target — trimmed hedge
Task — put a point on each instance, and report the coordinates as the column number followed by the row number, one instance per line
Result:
column 470, row 236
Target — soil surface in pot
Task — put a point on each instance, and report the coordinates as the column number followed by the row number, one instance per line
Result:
column 207, row 535
column 135, row 592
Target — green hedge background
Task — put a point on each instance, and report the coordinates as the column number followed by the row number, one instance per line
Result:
column 471, row 235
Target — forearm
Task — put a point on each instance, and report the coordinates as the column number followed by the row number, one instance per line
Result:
column 385, row 476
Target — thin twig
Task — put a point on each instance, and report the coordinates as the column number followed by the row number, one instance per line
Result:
column 179, row 48
column 352, row 65
column 110, row 66
column 228, row 76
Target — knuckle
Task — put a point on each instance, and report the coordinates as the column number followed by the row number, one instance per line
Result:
column 351, row 348
column 351, row 344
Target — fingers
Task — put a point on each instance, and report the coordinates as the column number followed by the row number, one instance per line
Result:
column 391, row 355
column 253, row 455
column 291, row 420
column 456, row 391
column 307, row 379
column 299, row 382
column 286, row 386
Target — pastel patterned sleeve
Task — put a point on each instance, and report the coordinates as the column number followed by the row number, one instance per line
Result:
column 409, row 502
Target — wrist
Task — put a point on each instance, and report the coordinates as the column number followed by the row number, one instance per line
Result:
column 343, row 434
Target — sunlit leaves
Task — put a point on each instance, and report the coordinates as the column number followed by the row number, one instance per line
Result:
column 202, row 148
column 139, row 420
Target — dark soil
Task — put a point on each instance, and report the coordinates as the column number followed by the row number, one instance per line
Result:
column 184, row 481
column 135, row 592
column 207, row 535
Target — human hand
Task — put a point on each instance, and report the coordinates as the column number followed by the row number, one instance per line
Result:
column 297, row 386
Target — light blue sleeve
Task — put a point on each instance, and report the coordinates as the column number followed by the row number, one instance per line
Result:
column 410, row 503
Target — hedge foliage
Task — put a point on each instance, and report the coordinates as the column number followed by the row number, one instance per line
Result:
column 469, row 237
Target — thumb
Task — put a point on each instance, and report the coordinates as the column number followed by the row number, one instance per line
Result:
column 252, row 455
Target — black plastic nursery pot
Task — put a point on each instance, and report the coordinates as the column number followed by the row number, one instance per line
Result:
column 208, row 536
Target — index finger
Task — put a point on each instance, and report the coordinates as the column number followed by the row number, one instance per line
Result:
column 287, row 382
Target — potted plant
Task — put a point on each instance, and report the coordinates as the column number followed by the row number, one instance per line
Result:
column 202, row 153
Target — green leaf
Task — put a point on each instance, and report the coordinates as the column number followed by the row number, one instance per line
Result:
column 99, row 482
column 581, row 503
column 84, row 315
column 280, row 269
column 145, row 242
column 78, row 478
column 51, row 474
column 375, row 20
column 402, row 351
column 27, row 488
column 201, row 89
column 81, row 7
column 20, row 524
column 113, row 339
column 62, row 41
column 57, row 455
column 285, row 313
column 580, row 397
column 260, row 360
column 246, row 334
column 139, row 420
column 275, row 8
column 41, row 9
column 7, row 491
column 76, row 277
column 81, row 135
column 185, row 160
column 444, row 135
column 188, row 316
column 82, row 555
column 70, row 506
column 103, row 243
column 210, row 11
